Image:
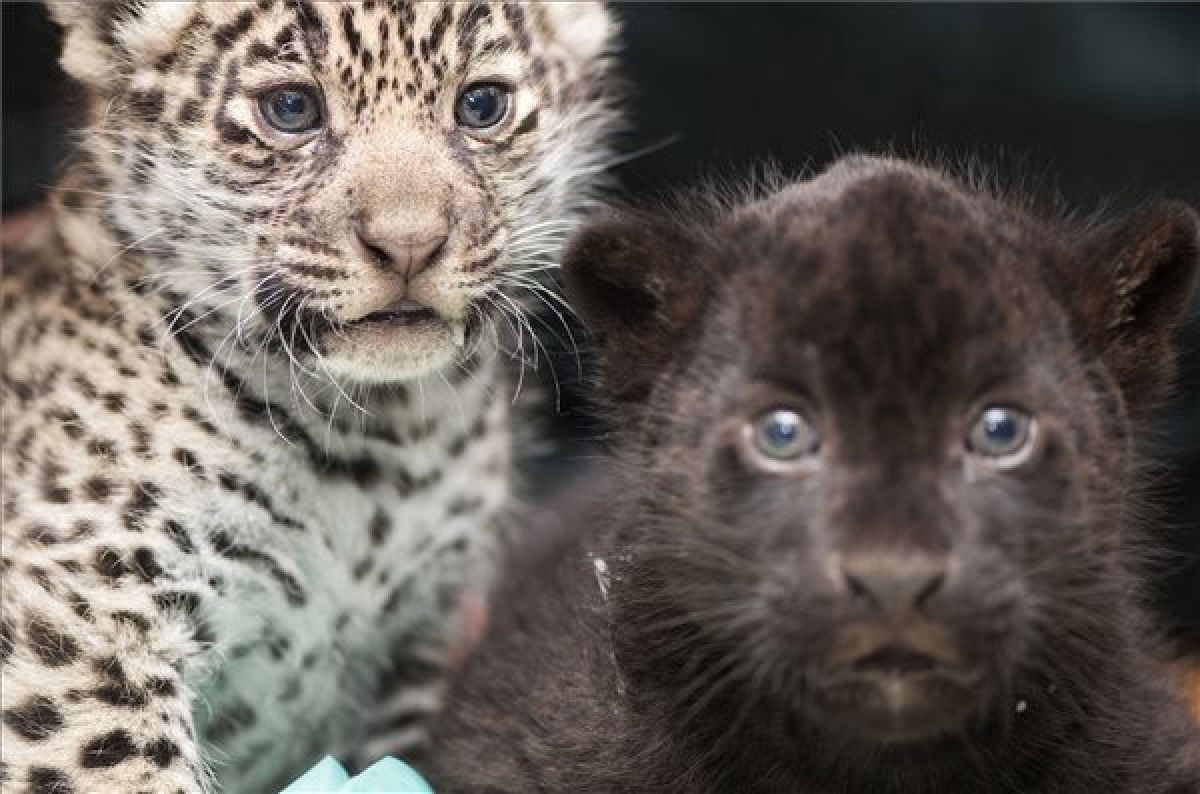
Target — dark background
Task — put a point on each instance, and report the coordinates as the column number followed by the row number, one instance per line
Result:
column 1099, row 102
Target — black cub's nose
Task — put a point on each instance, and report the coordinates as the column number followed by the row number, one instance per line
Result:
column 892, row 583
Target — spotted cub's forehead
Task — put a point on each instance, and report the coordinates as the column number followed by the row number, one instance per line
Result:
column 393, row 53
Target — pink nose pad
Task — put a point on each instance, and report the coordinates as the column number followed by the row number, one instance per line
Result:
column 407, row 248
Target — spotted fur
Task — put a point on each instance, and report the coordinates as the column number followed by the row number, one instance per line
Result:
column 237, row 509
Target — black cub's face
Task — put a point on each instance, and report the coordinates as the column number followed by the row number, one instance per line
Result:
column 881, row 424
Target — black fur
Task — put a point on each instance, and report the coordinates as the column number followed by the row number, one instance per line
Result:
column 696, row 623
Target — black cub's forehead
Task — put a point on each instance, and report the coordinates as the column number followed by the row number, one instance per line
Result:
column 897, row 279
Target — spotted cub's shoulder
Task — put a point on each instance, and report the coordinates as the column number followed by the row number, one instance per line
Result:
column 256, row 423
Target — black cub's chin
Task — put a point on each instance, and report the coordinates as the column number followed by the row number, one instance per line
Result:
column 896, row 694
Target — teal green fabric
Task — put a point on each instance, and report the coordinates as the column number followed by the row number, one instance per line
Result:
column 388, row 776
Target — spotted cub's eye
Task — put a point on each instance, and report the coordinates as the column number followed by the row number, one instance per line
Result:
column 784, row 435
column 291, row 109
column 483, row 105
column 1000, row 432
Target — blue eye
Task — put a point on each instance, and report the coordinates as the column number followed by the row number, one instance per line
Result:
column 483, row 105
column 1000, row 432
column 292, row 109
column 784, row 435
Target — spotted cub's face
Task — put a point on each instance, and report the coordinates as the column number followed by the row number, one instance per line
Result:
column 880, row 425
column 358, row 183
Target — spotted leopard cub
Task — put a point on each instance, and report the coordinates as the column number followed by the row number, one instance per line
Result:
column 868, row 527
column 255, row 426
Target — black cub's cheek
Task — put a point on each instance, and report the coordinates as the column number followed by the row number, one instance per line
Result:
column 730, row 475
column 1053, row 480
column 1038, row 509
column 745, row 495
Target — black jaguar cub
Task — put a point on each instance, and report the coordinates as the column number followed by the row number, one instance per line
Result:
column 868, row 524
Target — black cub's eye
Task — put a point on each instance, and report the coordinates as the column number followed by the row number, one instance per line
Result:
column 1000, row 432
column 292, row 109
column 482, row 105
column 784, row 435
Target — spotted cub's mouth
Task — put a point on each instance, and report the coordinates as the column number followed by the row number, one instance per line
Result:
column 404, row 319
column 402, row 325
column 401, row 340
column 401, row 313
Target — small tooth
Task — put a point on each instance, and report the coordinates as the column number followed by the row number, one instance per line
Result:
column 459, row 331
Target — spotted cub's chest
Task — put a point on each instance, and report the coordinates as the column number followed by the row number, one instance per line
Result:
column 322, row 585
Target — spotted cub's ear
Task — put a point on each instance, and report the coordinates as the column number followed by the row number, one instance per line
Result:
column 586, row 29
column 1131, row 290
column 635, row 282
column 105, row 39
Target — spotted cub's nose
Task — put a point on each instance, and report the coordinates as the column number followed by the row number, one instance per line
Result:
column 404, row 244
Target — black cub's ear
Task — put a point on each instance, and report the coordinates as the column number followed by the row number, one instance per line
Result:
column 634, row 282
column 1131, row 292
